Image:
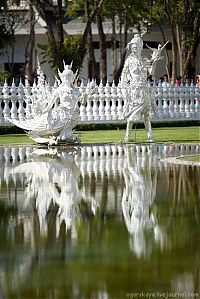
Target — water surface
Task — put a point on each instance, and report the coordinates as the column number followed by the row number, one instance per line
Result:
column 99, row 222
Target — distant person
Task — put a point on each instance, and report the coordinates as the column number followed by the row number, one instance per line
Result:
column 165, row 82
column 160, row 81
column 198, row 80
column 178, row 80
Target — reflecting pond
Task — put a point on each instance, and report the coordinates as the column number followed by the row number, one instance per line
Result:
column 107, row 221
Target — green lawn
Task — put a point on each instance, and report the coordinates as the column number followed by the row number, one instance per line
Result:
column 162, row 135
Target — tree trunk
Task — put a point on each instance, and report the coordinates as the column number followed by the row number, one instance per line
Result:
column 81, row 46
column 125, row 39
column 120, row 40
column 114, row 47
column 185, row 34
column 120, row 68
column 30, row 48
column 123, row 42
column 55, row 43
column 172, row 26
column 59, row 21
column 174, row 57
column 90, row 48
column 102, row 46
column 165, row 49
column 56, row 55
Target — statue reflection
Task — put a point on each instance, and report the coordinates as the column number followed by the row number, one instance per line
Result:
column 138, row 207
column 52, row 190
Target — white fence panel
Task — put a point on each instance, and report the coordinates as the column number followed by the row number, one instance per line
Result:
column 106, row 105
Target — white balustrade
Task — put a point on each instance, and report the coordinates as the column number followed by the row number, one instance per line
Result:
column 106, row 104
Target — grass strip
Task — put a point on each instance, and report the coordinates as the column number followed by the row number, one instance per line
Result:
column 162, row 135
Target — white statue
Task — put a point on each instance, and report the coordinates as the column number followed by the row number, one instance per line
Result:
column 55, row 113
column 139, row 99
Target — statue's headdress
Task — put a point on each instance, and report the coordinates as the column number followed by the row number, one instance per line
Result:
column 136, row 40
column 68, row 72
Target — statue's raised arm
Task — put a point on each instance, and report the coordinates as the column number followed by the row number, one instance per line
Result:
column 155, row 56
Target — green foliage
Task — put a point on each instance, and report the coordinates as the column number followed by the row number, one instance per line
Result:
column 4, row 32
column 46, row 53
column 68, row 51
column 70, row 47
column 74, row 8
column 8, row 21
column 4, row 75
column 136, row 13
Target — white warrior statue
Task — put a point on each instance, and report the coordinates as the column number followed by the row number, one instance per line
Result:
column 54, row 114
column 137, row 92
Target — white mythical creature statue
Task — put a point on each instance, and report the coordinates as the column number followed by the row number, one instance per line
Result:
column 139, row 99
column 55, row 113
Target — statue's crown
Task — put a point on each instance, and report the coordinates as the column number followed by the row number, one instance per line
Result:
column 136, row 40
column 67, row 70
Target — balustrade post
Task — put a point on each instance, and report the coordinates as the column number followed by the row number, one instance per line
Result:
column 187, row 105
column 165, row 102
column 108, row 100
column 171, row 100
column 1, row 110
column 13, row 98
column 113, row 90
column 181, row 99
column 6, row 97
column 27, row 93
column 160, row 100
column 197, row 101
column 95, row 103
column 82, row 108
column 154, row 99
column 89, row 110
column 192, row 100
column 120, row 101
column 21, row 110
column 101, row 101
column 176, row 101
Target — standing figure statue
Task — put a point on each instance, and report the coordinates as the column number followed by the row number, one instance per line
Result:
column 139, row 99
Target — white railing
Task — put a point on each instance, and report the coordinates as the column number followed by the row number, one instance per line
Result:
column 106, row 105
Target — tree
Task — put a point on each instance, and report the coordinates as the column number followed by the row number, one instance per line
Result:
column 4, row 32
column 31, row 53
column 85, row 7
column 46, row 9
column 57, row 43
column 12, row 19
column 129, row 14
column 102, row 46
column 90, row 49
column 183, row 19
